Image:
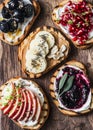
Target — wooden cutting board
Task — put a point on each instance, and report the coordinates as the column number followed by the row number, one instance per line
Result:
column 10, row 67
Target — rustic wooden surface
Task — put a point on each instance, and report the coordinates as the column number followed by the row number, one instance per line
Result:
column 10, row 67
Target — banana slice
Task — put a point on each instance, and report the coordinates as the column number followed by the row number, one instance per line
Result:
column 39, row 46
column 47, row 36
column 36, row 65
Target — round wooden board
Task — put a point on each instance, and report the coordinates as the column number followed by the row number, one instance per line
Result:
column 10, row 67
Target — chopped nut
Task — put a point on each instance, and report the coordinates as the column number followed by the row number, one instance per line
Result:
column 57, row 54
column 54, row 50
column 63, row 48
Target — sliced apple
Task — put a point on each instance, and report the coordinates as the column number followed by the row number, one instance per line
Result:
column 9, row 107
column 25, row 105
column 34, row 106
column 18, row 113
column 29, row 109
column 17, row 101
column 38, row 112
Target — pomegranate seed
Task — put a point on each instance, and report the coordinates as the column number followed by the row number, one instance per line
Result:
column 63, row 23
column 84, row 25
column 87, row 8
column 87, row 18
column 85, row 37
column 78, row 18
column 81, row 42
column 90, row 14
column 72, row 33
column 66, row 9
column 74, row 38
column 74, row 6
column 80, row 32
column 69, row 3
column 71, row 28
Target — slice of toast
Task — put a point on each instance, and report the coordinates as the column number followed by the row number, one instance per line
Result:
column 44, row 112
column 73, row 63
column 88, row 43
column 60, row 40
column 27, row 28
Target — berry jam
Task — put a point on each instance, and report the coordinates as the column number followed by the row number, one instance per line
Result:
column 77, row 95
column 78, row 18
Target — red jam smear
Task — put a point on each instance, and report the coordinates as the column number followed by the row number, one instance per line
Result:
column 77, row 96
column 78, row 17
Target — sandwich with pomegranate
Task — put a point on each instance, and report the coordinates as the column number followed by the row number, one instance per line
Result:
column 75, row 19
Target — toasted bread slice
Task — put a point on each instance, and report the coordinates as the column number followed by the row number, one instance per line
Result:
column 73, row 63
column 18, row 40
column 88, row 43
column 44, row 112
column 59, row 41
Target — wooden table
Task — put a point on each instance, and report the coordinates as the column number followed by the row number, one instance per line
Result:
column 10, row 67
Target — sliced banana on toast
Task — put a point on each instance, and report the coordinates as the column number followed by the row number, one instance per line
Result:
column 48, row 37
column 39, row 46
column 38, row 53
column 36, row 65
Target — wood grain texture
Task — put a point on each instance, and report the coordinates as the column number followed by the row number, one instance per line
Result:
column 10, row 67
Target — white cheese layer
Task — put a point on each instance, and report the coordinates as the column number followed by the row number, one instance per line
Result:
column 7, row 94
column 59, row 12
column 85, row 106
column 30, row 86
column 13, row 36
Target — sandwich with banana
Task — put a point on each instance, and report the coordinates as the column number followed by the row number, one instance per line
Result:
column 71, row 90
column 75, row 19
column 16, row 19
column 42, row 50
column 24, row 102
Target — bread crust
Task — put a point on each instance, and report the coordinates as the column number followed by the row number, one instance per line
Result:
column 45, row 109
column 27, row 28
column 88, row 43
column 60, row 40
column 52, row 91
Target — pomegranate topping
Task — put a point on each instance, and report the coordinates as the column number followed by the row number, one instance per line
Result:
column 78, row 18
column 77, row 94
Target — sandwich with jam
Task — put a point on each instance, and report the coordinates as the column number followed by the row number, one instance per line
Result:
column 71, row 90
column 24, row 102
column 42, row 50
column 75, row 19
column 16, row 19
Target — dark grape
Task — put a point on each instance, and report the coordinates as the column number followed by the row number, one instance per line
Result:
column 18, row 14
column 4, row 26
column 13, row 4
column 13, row 24
column 28, row 10
column 5, row 12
